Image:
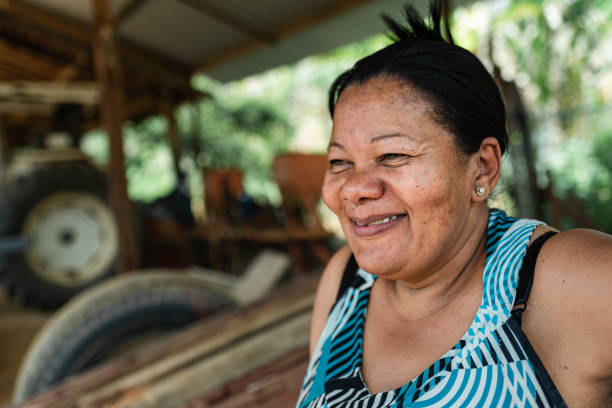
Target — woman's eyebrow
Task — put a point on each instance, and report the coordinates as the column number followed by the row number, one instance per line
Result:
column 335, row 144
column 374, row 139
column 390, row 135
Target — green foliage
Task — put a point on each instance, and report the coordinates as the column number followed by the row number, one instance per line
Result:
column 584, row 167
column 148, row 160
column 559, row 52
column 224, row 132
column 236, row 132
column 554, row 50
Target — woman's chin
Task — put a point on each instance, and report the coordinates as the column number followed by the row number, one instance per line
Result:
column 377, row 261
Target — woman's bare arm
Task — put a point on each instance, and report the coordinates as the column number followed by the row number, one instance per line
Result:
column 569, row 317
column 326, row 293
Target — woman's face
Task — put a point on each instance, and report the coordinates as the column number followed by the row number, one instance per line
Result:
column 397, row 181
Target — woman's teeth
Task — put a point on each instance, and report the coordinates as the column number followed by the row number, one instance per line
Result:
column 383, row 221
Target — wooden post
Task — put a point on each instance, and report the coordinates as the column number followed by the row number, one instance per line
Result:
column 108, row 74
column 172, row 133
column 3, row 146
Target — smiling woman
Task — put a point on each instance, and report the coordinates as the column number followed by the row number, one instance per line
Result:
column 427, row 303
column 390, row 161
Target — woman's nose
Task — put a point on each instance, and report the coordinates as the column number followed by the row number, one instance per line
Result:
column 361, row 186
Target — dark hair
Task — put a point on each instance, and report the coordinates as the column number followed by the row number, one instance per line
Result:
column 465, row 97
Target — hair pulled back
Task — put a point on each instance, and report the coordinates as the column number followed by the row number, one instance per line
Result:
column 465, row 98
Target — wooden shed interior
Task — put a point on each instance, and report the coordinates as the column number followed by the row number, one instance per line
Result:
column 81, row 64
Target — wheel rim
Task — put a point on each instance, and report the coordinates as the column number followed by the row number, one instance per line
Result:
column 74, row 238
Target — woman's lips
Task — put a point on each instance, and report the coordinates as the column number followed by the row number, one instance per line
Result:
column 374, row 225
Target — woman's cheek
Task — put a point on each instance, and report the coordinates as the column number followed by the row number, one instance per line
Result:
column 330, row 192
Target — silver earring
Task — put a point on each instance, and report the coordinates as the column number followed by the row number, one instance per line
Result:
column 480, row 191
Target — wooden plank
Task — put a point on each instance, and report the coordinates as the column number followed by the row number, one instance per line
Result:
column 236, row 332
column 108, row 73
column 23, row 108
column 278, row 385
column 262, row 274
column 184, row 385
column 85, row 93
column 154, row 360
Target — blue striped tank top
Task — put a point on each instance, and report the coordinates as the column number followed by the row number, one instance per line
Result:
column 492, row 365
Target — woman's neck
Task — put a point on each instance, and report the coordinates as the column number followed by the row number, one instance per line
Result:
column 462, row 275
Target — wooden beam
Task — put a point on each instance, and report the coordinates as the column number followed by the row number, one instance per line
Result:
column 54, row 57
column 19, row 127
column 25, row 108
column 230, row 20
column 25, row 62
column 301, row 24
column 44, row 18
column 84, row 93
column 108, row 73
column 169, row 69
column 71, row 71
column 26, row 31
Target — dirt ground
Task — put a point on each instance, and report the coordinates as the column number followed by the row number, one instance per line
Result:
column 17, row 329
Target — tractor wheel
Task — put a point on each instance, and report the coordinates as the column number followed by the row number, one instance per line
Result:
column 73, row 240
column 109, row 318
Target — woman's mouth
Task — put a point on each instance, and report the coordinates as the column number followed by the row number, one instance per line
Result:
column 374, row 225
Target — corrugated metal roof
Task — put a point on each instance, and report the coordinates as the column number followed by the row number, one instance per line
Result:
column 230, row 38
column 351, row 25
column 161, row 43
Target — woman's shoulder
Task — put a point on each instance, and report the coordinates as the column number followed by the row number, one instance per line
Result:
column 568, row 314
column 576, row 254
column 574, row 270
column 575, row 264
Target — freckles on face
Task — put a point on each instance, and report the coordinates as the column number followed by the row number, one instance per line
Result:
column 396, row 179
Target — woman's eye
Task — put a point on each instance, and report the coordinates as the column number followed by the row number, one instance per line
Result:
column 338, row 164
column 393, row 158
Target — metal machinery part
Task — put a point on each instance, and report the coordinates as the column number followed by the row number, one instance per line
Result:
column 57, row 233
column 73, row 238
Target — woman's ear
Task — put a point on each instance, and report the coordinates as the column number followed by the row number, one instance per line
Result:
column 488, row 163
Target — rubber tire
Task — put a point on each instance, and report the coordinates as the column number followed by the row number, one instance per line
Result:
column 100, row 321
column 16, row 200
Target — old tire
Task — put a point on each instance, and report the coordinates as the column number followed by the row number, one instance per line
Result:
column 62, row 210
column 104, row 320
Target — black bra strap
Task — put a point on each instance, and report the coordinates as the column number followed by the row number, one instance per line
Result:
column 348, row 276
column 527, row 273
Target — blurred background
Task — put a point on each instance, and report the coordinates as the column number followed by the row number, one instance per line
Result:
column 139, row 134
column 556, row 56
